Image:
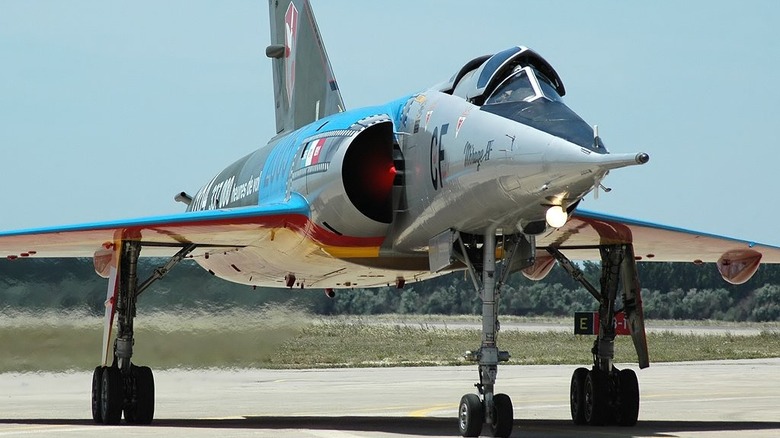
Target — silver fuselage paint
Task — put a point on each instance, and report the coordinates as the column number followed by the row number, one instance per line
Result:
column 465, row 169
column 470, row 170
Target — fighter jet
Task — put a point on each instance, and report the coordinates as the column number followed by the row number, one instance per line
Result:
column 481, row 173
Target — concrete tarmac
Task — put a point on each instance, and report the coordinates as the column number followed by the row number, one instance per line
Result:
column 693, row 399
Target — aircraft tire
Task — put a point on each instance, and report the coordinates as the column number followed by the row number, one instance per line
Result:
column 627, row 411
column 577, row 395
column 97, row 383
column 595, row 398
column 141, row 409
column 470, row 415
column 503, row 416
column 111, row 396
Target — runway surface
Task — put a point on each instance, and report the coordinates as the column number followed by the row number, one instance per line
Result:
column 694, row 399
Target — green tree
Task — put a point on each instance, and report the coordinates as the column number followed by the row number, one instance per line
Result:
column 766, row 304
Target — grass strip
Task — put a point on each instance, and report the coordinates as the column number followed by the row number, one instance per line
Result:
column 284, row 339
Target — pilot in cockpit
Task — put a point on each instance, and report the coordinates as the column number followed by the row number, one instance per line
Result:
column 515, row 88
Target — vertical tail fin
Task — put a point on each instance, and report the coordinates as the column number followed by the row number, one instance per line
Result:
column 305, row 88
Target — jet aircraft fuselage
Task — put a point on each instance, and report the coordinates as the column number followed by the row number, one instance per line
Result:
column 495, row 147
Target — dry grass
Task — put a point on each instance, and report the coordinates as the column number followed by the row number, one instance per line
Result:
column 281, row 338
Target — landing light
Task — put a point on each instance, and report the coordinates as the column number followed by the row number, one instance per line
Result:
column 556, row 217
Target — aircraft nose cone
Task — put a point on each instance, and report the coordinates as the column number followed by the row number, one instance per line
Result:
column 614, row 161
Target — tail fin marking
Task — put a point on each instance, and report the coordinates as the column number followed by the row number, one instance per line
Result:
column 305, row 88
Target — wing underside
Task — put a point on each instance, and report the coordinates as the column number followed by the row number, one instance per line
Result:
column 254, row 228
column 160, row 235
column 652, row 242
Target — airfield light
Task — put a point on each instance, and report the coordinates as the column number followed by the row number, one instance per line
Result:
column 556, row 217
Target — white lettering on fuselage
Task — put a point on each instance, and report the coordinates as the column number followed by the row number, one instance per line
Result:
column 248, row 188
column 219, row 195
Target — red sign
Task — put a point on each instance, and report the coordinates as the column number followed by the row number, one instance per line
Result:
column 587, row 323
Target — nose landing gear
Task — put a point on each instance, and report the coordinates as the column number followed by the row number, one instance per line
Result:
column 490, row 408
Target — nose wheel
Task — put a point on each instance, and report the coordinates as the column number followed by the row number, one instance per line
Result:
column 503, row 416
column 471, row 415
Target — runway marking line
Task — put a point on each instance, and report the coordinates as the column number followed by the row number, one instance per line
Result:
column 704, row 397
column 24, row 427
column 424, row 412
column 55, row 429
column 332, row 434
column 427, row 411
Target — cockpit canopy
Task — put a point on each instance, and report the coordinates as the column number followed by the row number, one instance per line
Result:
column 524, row 84
column 481, row 76
column 520, row 85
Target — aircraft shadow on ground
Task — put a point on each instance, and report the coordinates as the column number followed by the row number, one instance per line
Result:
column 435, row 426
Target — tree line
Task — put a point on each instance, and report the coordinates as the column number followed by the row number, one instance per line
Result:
column 669, row 290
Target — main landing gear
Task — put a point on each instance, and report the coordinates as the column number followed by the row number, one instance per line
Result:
column 123, row 387
column 487, row 407
column 604, row 394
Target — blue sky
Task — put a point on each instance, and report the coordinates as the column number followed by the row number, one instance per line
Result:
column 107, row 109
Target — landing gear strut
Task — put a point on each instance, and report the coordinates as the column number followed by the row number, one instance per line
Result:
column 488, row 407
column 605, row 394
column 123, row 387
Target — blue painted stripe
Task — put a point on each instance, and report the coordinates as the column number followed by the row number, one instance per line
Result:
column 297, row 205
column 346, row 119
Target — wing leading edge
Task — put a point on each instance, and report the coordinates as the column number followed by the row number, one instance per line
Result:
column 161, row 235
column 737, row 260
column 236, row 228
